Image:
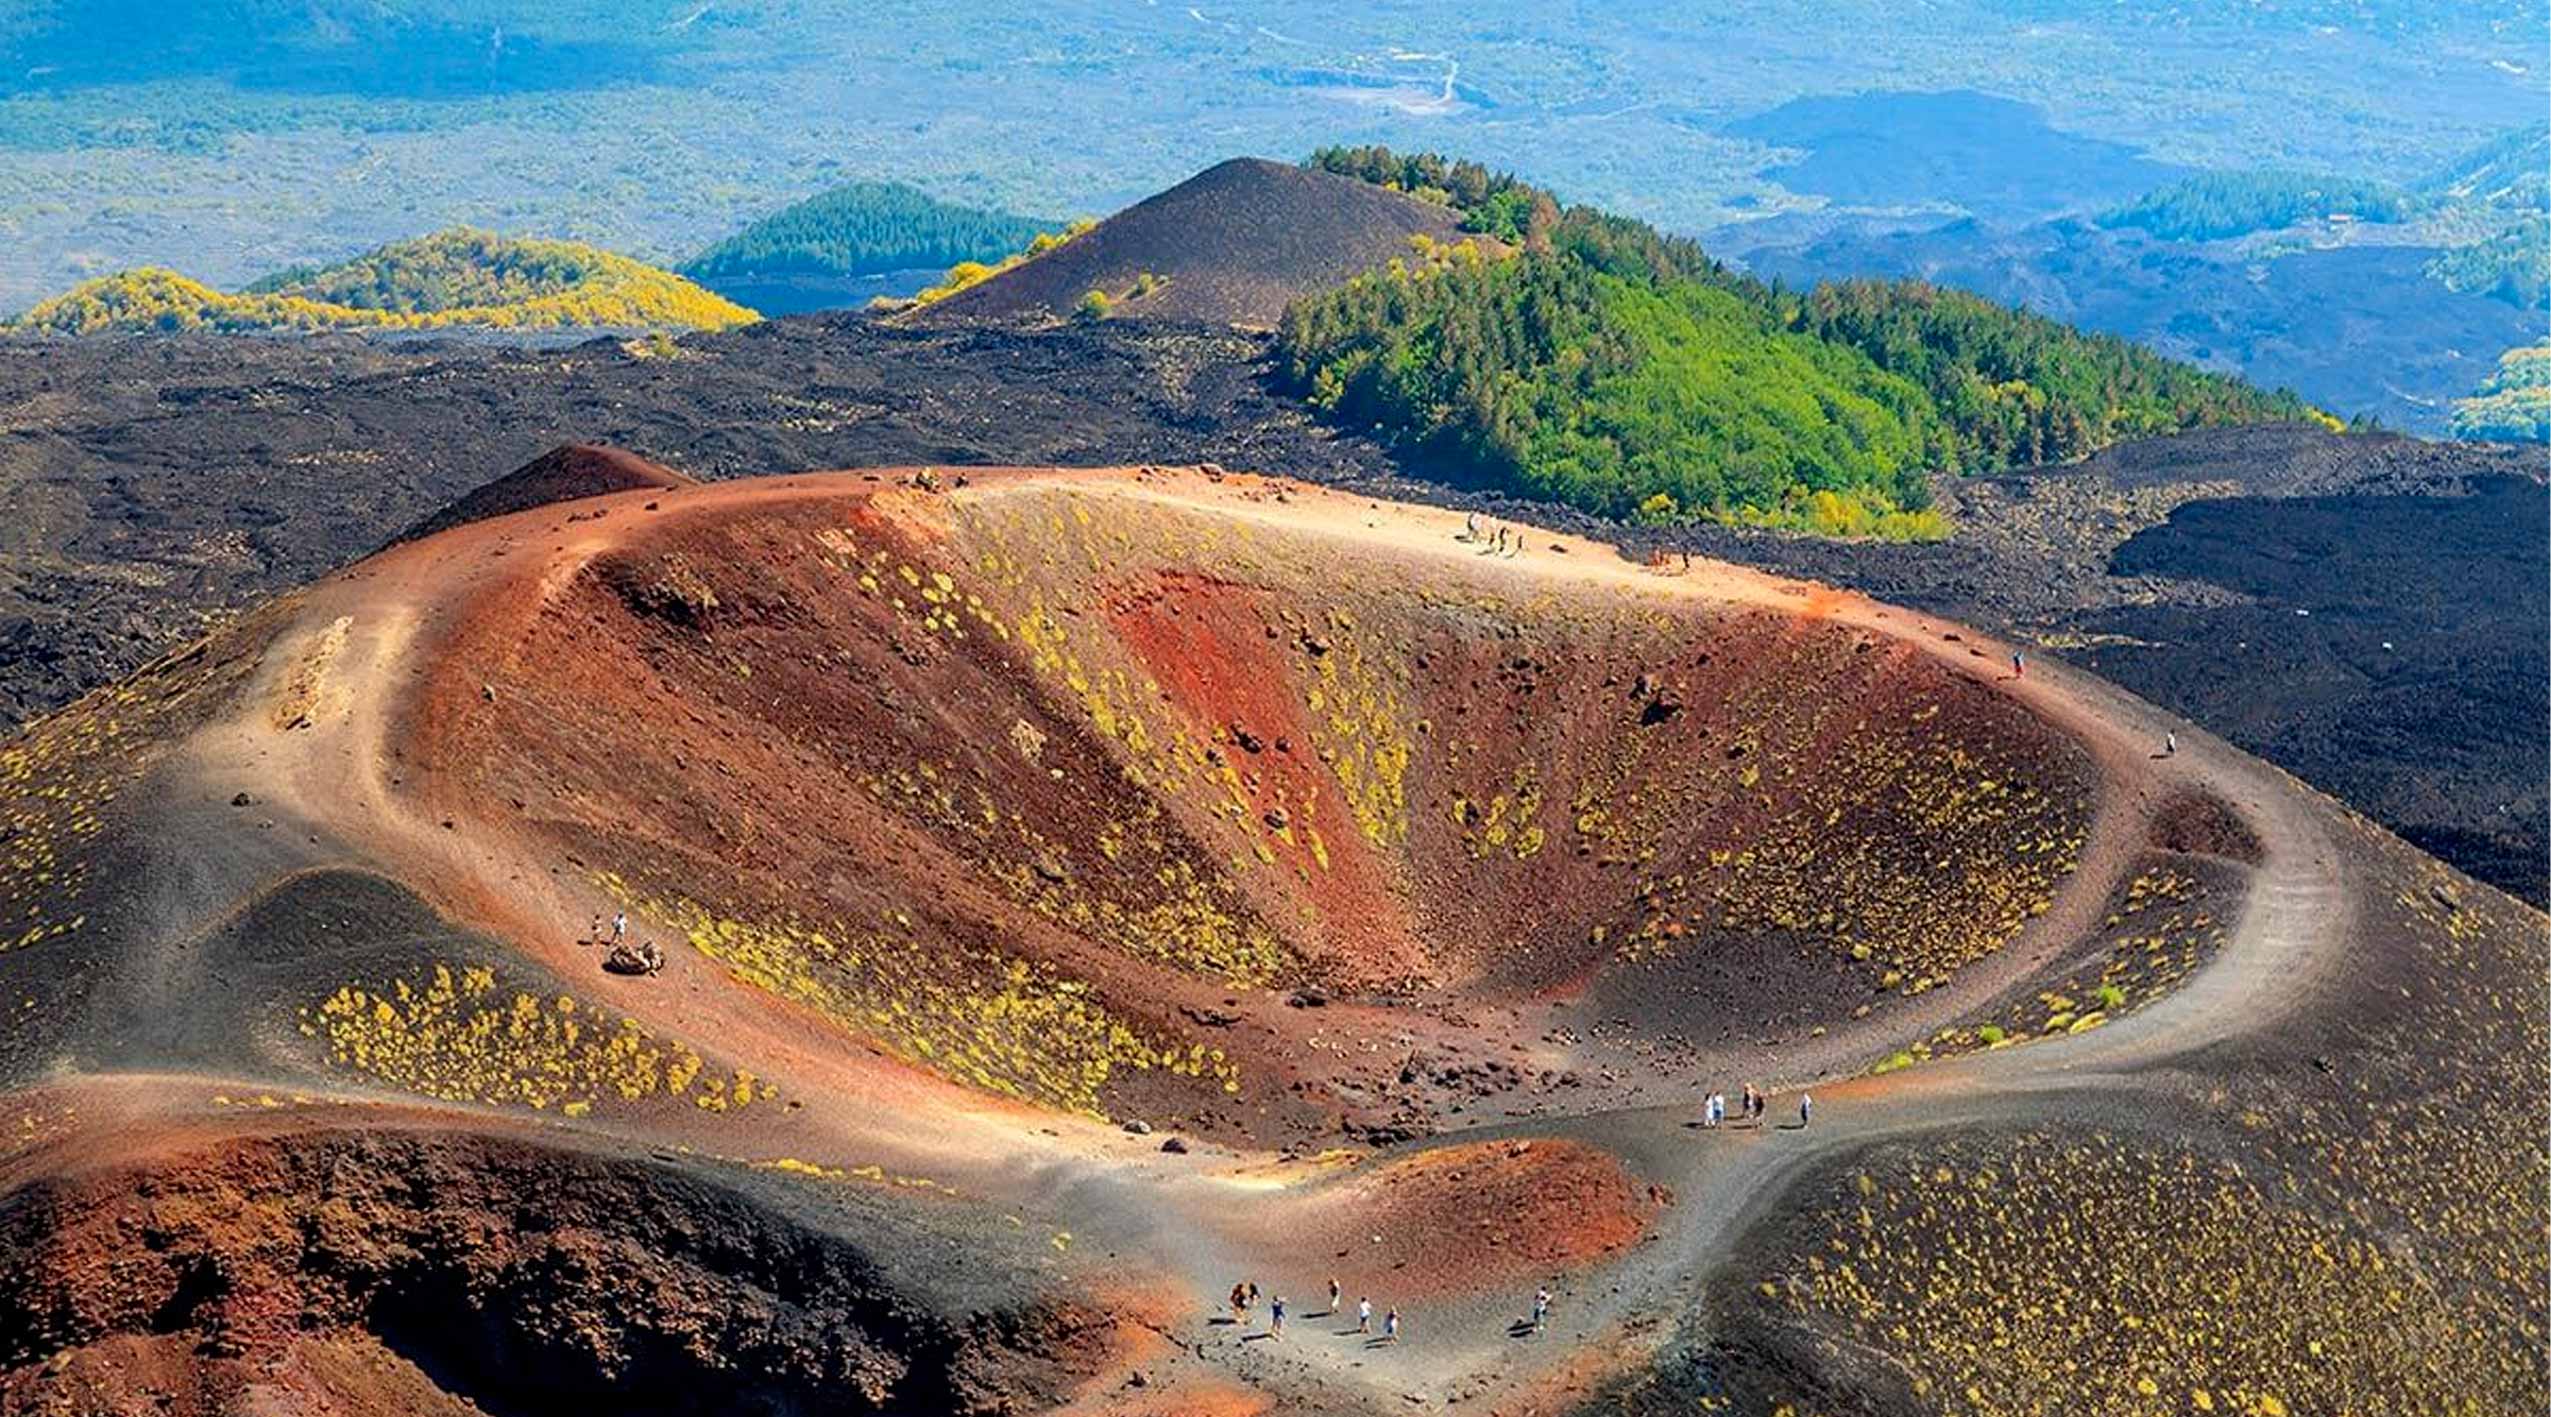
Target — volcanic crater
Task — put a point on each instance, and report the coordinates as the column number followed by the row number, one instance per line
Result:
column 1080, row 890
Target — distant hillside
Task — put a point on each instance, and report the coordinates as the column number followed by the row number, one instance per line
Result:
column 1997, row 158
column 865, row 228
column 1232, row 245
column 451, row 279
column 2499, row 193
column 1625, row 372
column 2213, row 206
column 567, row 473
column 2511, row 171
column 2355, row 326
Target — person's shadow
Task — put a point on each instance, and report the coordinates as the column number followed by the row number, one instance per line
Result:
column 1793, row 1126
column 1521, row 1328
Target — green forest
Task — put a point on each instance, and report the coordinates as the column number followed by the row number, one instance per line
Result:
column 1623, row 371
column 863, row 229
column 1493, row 204
column 2512, row 264
column 2213, row 206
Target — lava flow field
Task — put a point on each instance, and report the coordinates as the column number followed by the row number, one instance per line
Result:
column 1080, row 892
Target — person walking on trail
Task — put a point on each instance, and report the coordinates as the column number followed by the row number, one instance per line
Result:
column 1806, row 1108
column 1540, row 1309
column 1470, row 527
column 2019, row 665
column 619, row 927
column 1391, row 1327
column 2170, row 745
column 1363, row 1316
column 1335, row 1294
column 1275, row 1316
column 1239, row 1302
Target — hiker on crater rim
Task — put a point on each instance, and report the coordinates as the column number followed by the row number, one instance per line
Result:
column 1275, row 1316
column 619, row 927
column 1364, row 1315
column 1806, row 1108
column 1335, row 1294
column 1391, row 1327
column 2019, row 665
column 2170, row 745
column 1541, row 1308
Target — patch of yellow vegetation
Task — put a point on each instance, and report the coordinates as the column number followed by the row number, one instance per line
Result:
column 1004, row 1026
column 460, row 1037
column 1357, row 724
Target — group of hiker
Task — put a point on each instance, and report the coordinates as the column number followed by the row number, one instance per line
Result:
column 1244, row 1297
column 1752, row 1105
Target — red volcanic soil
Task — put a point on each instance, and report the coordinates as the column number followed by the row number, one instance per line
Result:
column 566, row 473
column 1232, row 245
column 1477, row 1217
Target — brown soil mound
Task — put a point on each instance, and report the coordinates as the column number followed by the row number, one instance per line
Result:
column 566, row 473
column 1482, row 1216
column 1232, row 245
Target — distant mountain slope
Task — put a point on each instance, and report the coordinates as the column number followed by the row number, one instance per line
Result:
column 567, row 473
column 2512, row 170
column 2355, row 328
column 1232, row 245
column 2211, row 206
column 1997, row 158
column 451, row 279
column 864, row 228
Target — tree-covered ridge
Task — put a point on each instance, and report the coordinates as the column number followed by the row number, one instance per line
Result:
column 1558, row 375
column 2511, row 171
column 451, row 279
column 2512, row 264
column 1491, row 203
column 2213, row 206
column 865, row 228
column 2015, row 389
column 1621, row 370
column 2515, row 405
